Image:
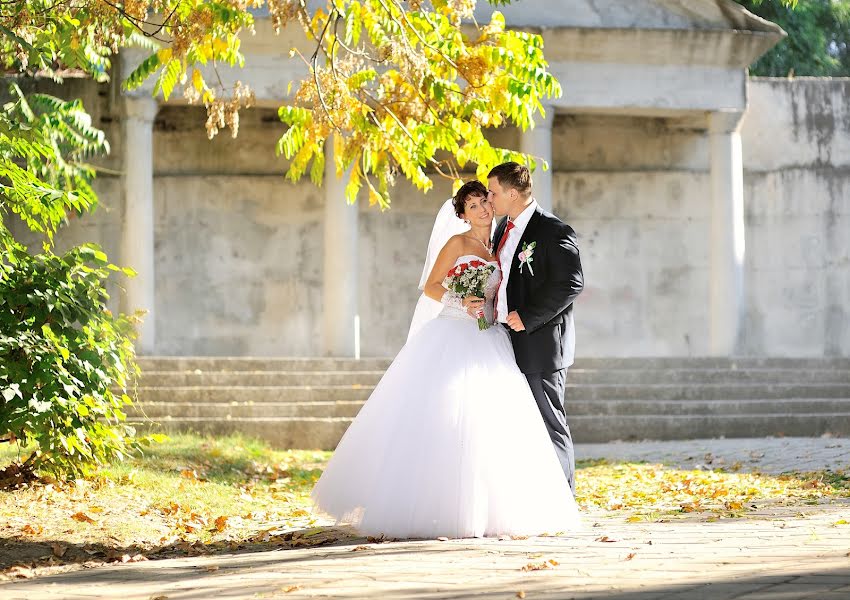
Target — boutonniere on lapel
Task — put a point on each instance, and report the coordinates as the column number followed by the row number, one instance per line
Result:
column 525, row 257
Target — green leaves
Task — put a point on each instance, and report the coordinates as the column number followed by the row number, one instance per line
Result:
column 43, row 141
column 353, row 24
column 818, row 40
column 66, row 363
column 405, row 88
column 65, row 360
column 168, row 78
column 140, row 74
column 414, row 96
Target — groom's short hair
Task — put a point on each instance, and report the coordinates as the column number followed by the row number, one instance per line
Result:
column 513, row 175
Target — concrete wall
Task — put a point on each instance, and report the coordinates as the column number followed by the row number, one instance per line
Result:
column 649, row 14
column 638, row 193
column 238, row 248
column 797, row 155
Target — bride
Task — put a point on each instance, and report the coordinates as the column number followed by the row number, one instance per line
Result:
column 451, row 442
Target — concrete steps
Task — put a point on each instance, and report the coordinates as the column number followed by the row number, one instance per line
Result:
column 308, row 403
column 623, row 408
column 239, row 363
column 576, row 376
column 250, row 410
column 590, row 391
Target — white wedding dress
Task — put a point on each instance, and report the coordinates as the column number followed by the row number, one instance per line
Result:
column 450, row 443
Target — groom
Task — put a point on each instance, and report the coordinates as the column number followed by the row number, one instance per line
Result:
column 541, row 276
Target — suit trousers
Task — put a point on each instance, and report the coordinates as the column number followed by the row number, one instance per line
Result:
column 549, row 390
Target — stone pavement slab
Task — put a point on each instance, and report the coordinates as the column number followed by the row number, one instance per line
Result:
column 766, row 455
column 780, row 553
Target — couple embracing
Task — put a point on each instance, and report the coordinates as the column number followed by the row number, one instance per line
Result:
column 466, row 433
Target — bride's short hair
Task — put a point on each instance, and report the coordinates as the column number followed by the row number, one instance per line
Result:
column 470, row 188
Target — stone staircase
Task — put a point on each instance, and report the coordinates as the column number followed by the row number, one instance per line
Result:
column 308, row 403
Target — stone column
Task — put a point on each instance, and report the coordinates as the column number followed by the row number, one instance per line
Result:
column 137, row 227
column 341, row 315
column 727, row 233
column 538, row 142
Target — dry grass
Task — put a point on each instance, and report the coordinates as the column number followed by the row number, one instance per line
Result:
column 188, row 495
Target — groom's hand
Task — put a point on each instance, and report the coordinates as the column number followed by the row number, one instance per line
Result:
column 514, row 322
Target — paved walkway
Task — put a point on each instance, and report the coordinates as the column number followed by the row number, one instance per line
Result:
column 766, row 455
column 780, row 553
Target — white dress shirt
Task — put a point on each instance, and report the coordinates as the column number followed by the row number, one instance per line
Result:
column 506, row 257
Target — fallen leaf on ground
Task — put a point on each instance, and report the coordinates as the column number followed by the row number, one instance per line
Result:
column 59, row 550
column 82, row 518
column 630, row 556
column 604, row 538
column 359, row 548
column 291, row 588
column 221, row 523
column 211, row 568
column 548, row 564
column 520, row 594
column 32, row 530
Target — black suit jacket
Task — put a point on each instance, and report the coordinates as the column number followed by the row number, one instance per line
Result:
column 544, row 300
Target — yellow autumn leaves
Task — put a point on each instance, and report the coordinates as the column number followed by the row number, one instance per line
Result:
column 649, row 490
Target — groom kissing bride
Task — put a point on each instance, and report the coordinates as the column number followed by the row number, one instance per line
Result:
column 457, row 438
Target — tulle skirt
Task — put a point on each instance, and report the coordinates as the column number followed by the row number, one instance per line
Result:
column 450, row 443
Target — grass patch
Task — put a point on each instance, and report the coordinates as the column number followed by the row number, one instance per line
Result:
column 188, row 495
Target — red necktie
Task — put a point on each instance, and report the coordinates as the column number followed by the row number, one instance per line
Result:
column 499, row 262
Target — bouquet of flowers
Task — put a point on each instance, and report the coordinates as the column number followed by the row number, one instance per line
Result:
column 469, row 279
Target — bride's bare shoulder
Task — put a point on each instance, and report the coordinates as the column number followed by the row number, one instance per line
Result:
column 454, row 248
column 457, row 241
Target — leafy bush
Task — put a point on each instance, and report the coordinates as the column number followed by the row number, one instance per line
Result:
column 66, row 363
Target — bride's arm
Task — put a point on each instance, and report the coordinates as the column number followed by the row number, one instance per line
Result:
column 446, row 260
